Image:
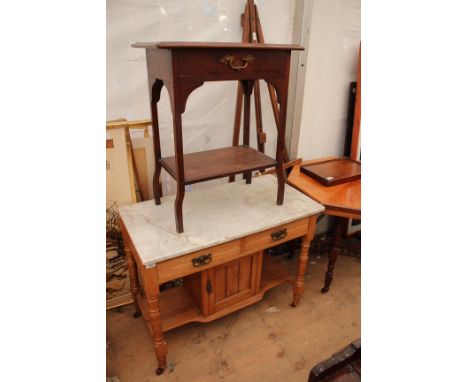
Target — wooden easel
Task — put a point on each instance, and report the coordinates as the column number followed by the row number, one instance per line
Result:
column 252, row 33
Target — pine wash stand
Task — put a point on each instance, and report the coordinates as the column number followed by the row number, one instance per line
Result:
column 184, row 66
column 221, row 257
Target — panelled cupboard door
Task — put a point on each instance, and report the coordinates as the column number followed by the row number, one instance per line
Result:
column 234, row 281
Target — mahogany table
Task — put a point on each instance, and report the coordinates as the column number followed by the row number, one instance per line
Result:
column 221, row 258
column 342, row 201
column 184, row 66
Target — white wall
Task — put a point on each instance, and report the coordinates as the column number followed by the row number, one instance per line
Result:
column 209, row 116
column 331, row 37
column 334, row 36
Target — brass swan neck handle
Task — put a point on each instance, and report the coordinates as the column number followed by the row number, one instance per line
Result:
column 229, row 60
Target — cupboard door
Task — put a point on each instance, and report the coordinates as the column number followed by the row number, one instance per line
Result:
column 234, row 281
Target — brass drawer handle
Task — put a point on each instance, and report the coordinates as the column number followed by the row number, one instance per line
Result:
column 201, row 260
column 280, row 234
column 229, row 60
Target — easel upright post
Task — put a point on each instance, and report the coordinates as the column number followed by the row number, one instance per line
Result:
column 253, row 33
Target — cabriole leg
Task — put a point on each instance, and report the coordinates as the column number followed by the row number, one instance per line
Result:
column 178, row 208
column 179, row 160
column 155, row 96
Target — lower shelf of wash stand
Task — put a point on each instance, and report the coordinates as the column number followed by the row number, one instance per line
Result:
column 181, row 305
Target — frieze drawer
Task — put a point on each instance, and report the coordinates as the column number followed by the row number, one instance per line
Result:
column 197, row 261
column 277, row 235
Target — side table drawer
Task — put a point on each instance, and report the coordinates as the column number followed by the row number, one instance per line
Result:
column 231, row 64
column 274, row 236
column 198, row 261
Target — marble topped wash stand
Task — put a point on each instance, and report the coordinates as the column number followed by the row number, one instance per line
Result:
column 220, row 256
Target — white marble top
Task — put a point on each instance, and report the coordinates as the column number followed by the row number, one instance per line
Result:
column 212, row 216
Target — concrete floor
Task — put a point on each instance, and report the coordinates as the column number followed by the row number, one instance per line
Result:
column 268, row 341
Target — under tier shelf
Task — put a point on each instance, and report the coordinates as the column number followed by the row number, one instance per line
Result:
column 179, row 308
column 219, row 163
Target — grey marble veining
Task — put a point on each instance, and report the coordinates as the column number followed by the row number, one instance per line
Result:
column 212, row 216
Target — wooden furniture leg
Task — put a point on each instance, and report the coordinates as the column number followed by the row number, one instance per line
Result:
column 282, row 92
column 178, row 207
column 151, row 287
column 248, row 86
column 179, row 92
column 133, row 275
column 337, row 235
column 281, row 181
column 237, row 121
column 258, row 118
column 155, row 96
column 302, row 261
column 179, row 157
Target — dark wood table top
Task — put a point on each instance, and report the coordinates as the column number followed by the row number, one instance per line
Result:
column 342, row 200
column 215, row 45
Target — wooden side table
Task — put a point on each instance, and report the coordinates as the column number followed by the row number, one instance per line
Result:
column 342, row 201
column 182, row 67
column 221, row 259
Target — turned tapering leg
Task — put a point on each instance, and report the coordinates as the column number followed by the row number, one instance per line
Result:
column 338, row 233
column 302, row 261
column 159, row 343
column 151, row 286
column 133, row 275
column 132, row 269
